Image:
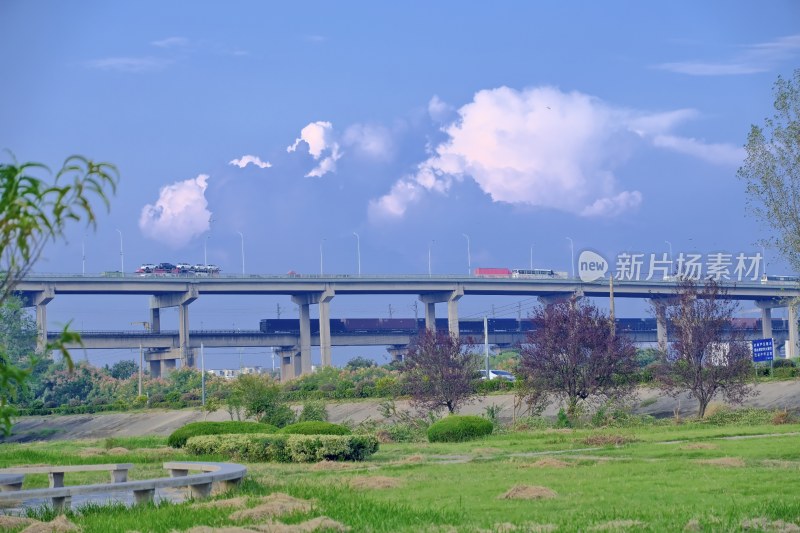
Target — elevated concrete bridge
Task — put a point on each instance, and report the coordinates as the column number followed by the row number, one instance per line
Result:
column 180, row 291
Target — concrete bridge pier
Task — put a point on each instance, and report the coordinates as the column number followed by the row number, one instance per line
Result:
column 161, row 364
column 451, row 297
column 660, row 307
column 792, row 351
column 40, row 300
column 181, row 300
column 304, row 301
column 398, row 352
column 290, row 362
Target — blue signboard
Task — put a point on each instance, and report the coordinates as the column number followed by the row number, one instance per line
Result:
column 762, row 350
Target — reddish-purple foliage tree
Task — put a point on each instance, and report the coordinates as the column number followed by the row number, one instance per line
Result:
column 572, row 355
column 706, row 355
column 439, row 371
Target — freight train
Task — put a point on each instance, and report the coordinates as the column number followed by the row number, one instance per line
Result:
column 472, row 327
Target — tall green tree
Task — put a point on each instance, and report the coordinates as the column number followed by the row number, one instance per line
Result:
column 772, row 169
column 36, row 207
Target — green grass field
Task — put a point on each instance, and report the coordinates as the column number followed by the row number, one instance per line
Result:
column 654, row 478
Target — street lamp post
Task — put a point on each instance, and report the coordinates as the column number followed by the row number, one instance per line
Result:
column 83, row 256
column 358, row 252
column 531, row 257
column 572, row 255
column 205, row 250
column 241, row 235
column 121, row 254
column 430, row 244
column 320, row 257
column 469, row 255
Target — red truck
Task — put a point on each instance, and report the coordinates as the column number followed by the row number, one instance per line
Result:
column 493, row 272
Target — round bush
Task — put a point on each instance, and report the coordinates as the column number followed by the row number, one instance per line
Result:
column 457, row 428
column 180, row 436
column 314, row 428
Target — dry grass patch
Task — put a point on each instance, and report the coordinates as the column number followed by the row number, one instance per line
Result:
column 528, row 492
column 321, row 523
column 765, row 524
column 775, row 463
column 692, row 525
column 527, row 527
column 223, row 529
column 333, row 465
column 118, row 450
column 240, row 501
column 617, row 525
column 733, row 462
column 59, row 524
column 547, row 462
column 374, row 482
column 12, row 522
column 276, row 504
column 607, row 440
column 699, row 446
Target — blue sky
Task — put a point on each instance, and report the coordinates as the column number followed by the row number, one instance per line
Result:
column 617, row 124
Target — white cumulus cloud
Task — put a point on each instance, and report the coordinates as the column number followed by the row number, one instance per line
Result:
column 321, row 145
column 250, row 159
column 540, row 147
column 546, row 148
column 180, row 213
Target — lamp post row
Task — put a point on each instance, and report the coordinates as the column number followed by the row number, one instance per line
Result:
column 358, row 253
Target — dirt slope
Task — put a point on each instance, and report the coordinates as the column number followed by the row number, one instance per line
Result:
column 783, row 395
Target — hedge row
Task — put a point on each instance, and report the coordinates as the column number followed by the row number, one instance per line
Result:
column 457, row 428
column 285, row 448
column 314, row 427
column 180, row 436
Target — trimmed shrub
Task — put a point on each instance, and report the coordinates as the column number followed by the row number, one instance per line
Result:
column 314, row 428
column 285, row 448
column 180, row 436
column 456, row 428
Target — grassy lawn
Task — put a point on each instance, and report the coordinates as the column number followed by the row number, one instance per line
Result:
column 654, row 478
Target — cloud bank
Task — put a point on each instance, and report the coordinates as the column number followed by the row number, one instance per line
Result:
column 250, row 159
column 545, row 148
column 180, row 213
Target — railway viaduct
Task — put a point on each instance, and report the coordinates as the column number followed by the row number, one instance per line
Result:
column 305, row 291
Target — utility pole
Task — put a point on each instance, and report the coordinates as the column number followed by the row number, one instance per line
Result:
column 611, row 305
column 141, row 364
column 390, row 311
column 279, row 311
column 415, row 307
